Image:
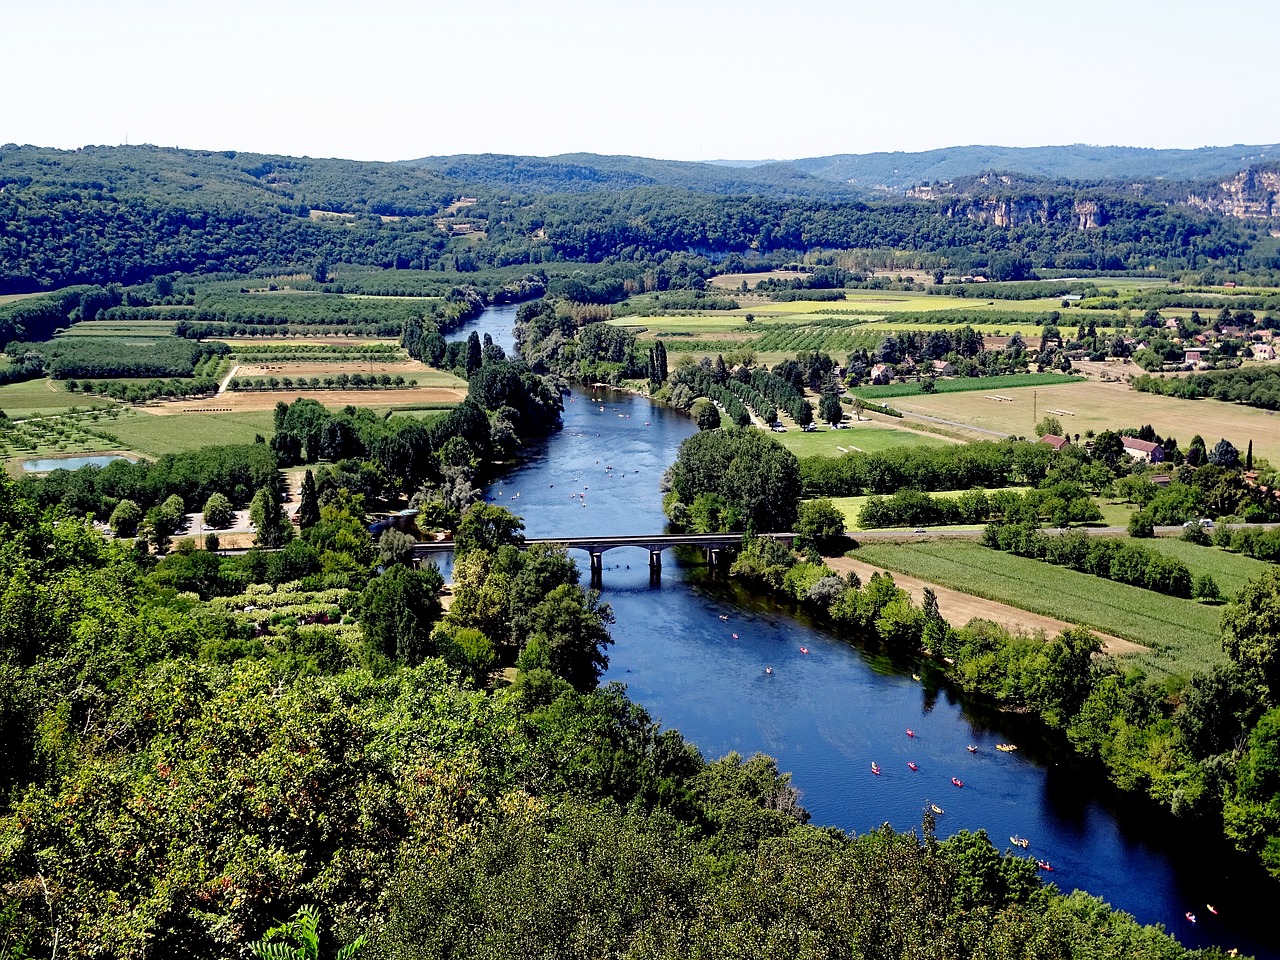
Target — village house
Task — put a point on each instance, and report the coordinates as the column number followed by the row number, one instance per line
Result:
column 943, row 369
column 1143, row 450
column 1192, row 357
column 1054, row 441
column 881, row 374
column 1263, row 351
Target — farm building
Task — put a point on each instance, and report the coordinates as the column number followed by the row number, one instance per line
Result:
column 941, row 368
column 1143, row 450
column 1054, row 441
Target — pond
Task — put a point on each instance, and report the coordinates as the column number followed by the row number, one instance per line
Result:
column 71, row 463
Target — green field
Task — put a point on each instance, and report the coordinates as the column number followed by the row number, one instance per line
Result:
column 121, row 329
column 966, row 384
column 868, row 439
column 1182, row 634
column 1230, row 571
column 176, row 433
column 39, row 398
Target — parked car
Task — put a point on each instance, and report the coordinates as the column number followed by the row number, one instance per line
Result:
column 1206, row 523
column 810, row 427
column 778, row 428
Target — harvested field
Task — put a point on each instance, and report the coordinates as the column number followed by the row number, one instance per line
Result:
column 425, row 375
column 267, row 399
column 959, row 608
column 1103, row 406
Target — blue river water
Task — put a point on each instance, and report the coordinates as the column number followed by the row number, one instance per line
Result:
column 693, row 648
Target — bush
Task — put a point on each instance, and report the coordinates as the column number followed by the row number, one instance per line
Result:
column 1140, row 525
column 1206, row 588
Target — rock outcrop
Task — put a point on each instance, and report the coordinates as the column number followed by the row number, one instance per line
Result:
column 1250, row 194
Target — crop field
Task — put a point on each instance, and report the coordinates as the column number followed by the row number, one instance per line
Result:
column 864, row 437
column 249, row 400
column 131, row 330
column 410, row 369
column 54, row 436
column 142, row 431
column 1182, row 635
column 1091, row 405
column 1230, row 571
column 966, row 384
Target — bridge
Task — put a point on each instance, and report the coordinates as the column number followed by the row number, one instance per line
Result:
column 712, row 545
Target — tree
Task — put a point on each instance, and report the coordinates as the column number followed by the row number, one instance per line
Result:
column 474, row 354
column 218, row 511
column 568, row 634
column 1224, row 454
column 308, row 507
column 803, row 414
column 270, row 522
column 820, row 522
column 395, row 547
column 1206, row 588
column 830, row 408
column 706, row 415
column 1140, row 525
column 486, row 527
column 1251, row 630
column 755, row 476
column 125, row 518
column 857, row 408
column 397, row 612
column 1197, row 456
column 1248, row 457
column 1049, row 426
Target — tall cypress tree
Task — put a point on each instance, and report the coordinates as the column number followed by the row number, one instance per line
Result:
column 1248, row 457
column 309, row 508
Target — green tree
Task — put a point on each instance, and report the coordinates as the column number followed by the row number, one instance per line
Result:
column 821, row 523
column 706, row 415
column 271, row 524
column 308, row 506
column 397, row 612
column 218, row 511
column 755, row 476
column 1049, row 426
column 1251, row 630
column 486, row 527
column 830, row 409
column 568, row 634
column 395, row 547
column 125, row 518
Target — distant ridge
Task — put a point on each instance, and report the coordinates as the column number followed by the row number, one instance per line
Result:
column 868, row 174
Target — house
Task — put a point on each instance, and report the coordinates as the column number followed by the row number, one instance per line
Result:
column 1161, row 479
column 881, row 373
column 1143, row 450
column 1192, row 357
column 1263, row 351
column 943, row 369
column 1054, row 441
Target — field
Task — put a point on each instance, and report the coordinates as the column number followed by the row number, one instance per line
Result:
column 246, row 400
column 1230, row 571
column 131, row 330
column 864, row 437
column 966, row 384
column 142, row 432
column 38, row 398
column 1103, row 406
column 1182, row 635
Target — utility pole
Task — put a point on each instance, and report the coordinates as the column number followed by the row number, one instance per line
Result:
column 1034, row 406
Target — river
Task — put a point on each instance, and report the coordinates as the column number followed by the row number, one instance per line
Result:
column 693, row 648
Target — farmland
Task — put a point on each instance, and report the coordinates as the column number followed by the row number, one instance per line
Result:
column 1182, row 635
column 965, row 385
column 1230, row 571
column 1103, row 406
column 851, row 506
column 38, row 398
column 141, row 431
column 863, row 437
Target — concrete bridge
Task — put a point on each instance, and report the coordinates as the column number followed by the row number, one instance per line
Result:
column 712, row 545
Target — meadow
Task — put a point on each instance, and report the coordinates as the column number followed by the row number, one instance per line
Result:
column 1181, row 635
column 965, row 385
column 154, row 436
column 1230, row 571
column 34, row 398
column 1091, row 405
column 861, row 437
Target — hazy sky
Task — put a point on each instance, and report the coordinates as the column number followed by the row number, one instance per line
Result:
column 679, row 79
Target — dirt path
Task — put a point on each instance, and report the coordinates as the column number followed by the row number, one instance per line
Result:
column 222, row 387
column 959, row 608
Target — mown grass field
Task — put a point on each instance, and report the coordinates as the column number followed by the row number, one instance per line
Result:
column 38, row 398
column 1182, row 635
column 966, row 385
column 1097, row 406
column 866, row 438
column 156, row 436
column 1230, row 571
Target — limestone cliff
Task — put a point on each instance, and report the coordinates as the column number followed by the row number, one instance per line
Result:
column 1252, row 193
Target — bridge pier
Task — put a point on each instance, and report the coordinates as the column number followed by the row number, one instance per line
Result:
column 597, row 562
column 655, row 559
column 713, row 556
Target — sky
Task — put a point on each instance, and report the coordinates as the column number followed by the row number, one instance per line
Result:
column 675, row 79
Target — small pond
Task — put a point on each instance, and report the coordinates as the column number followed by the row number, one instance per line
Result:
column 69, row 463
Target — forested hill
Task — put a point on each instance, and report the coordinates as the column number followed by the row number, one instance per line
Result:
column 897, row 172
column 841, row 174
column 584, row 172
